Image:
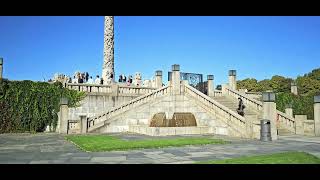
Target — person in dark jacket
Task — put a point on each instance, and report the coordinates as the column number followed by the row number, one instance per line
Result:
column 241, row 107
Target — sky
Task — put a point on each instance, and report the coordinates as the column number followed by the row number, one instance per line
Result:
column 37, row 47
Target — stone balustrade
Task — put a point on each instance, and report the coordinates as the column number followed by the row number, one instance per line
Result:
column 101, row 120
column 233, row 119
column 247, row 100
column 122, row 90
column 91, row 88
column 286, row 121
column 217, row 93
column 135, row 90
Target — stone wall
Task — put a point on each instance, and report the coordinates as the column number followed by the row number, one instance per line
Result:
column 308, row 126
column 94, row 104
column 141, row 116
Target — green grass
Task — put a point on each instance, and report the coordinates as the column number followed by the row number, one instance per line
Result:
column 279, row 158
column 96, row 143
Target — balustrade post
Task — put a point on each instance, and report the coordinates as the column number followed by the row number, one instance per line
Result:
column 115, row 89
column 158, row 79
column 84, row 124
column 233, row 79
column 294, row 88
column 270, row 112
column 289, row 110
column 299, row 124
column 210, row 86
column 176, row 79
column 316, row 108
column 1, row 67
column 64, row 115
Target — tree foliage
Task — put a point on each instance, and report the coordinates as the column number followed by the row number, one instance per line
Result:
column 308, row 86
column 27, row 106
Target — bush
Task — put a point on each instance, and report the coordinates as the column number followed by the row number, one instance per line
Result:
column 301, row 105
column 27, row 106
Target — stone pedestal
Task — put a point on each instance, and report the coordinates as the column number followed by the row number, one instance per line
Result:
column 299, row 124
column 294, row 88
column 1, row 67
column 289, row 111
column 175, row 79
column 270, row 112
column 317, row 115
column 249, row 125
column 158, row 79
column 210, row 85
column 233, row 79
column 64, row 115
column 84, row 124
column 223, row 89
column 115, row 89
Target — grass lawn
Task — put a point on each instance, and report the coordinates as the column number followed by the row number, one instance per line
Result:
column 279, row 158
column 95, row 143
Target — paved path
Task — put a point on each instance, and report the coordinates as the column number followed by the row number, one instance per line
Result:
column 53, row 148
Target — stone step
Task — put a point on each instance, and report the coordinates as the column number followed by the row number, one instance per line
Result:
column 284, row 132
column 233, row 105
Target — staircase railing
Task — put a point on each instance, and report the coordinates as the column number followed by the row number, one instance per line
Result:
column 100, row 120
column 255, row 104
column 285, row 121
column 135, row 90
column 219, row 109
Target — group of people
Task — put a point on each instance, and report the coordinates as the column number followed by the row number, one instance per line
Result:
column 78, row 78
column 123, row 79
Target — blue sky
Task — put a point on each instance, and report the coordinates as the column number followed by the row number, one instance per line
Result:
column 35, row 48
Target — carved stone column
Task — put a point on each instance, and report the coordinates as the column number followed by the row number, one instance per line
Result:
column 108, row 52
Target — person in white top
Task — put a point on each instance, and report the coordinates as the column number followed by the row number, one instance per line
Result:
column 97, row 80
column 90, row 80
column 74, row 80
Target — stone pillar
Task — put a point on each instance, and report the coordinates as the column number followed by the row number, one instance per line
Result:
column 108, row 53
column 175, row 79
column 299, row 124
column 84, row 124
column 233, row 79
column 64, row 115
column 249, row 125
column 289, row 110
column 158, row 79
column 317, row 115
column 270, row 112
column 223, row 89
column 115, row 89
column 1, row 67
column 294, row 88
column 210, row 85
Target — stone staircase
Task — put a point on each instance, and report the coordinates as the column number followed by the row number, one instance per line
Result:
column 232, row 104
column 283, row 131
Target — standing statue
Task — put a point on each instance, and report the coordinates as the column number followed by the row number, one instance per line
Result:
column 137, row 79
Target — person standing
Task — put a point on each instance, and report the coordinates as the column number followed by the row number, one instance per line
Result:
column 124, row 78
column 120, row 78
column 90, row 80
column 241, row 107
column 97, row 80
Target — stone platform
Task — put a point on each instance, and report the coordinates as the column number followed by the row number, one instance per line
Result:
column 165, row 131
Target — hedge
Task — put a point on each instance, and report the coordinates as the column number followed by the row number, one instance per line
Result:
column 27, row 106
